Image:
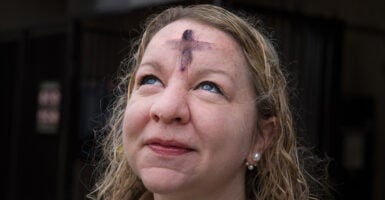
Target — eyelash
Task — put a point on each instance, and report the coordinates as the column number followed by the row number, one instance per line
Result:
column 144, row 79
column 212, row 85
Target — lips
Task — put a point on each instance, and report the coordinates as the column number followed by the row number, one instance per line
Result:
column 168, row 147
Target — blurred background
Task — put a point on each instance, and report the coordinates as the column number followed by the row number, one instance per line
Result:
column 58, row 60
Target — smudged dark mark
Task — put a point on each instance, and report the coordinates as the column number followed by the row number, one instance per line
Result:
column 186, row 46
column 186, row 58
column 187, row 35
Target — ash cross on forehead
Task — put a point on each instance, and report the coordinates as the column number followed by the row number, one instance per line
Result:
column 186, row 46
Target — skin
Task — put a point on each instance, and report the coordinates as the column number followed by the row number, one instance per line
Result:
column 186, row 53
column 187, row 134
column 186, row 45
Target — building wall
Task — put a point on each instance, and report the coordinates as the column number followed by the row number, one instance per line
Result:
column 363, row 59
column 16, row 14
column 363, row 50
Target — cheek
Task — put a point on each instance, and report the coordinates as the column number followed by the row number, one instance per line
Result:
column 227, row 132
column 127, row 125
column 135, row 119
column 127, row 131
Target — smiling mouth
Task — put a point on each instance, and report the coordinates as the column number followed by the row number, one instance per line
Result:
column 168, row 148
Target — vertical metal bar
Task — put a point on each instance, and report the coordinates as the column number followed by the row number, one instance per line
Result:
column 68, row 129
column 17, row 117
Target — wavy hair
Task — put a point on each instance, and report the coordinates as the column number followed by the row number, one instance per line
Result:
column 280, row 173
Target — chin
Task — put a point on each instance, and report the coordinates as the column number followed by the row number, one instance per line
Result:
column 162, row 180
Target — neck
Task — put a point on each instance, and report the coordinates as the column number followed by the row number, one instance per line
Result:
column 222, row 196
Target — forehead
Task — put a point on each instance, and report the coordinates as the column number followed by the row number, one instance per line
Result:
column 200, row 32
column 217, row 50
column 223, row 55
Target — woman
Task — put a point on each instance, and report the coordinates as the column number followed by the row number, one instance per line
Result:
column 202, row 114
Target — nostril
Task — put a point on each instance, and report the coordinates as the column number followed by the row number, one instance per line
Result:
column 170, row 111
column 155, row 117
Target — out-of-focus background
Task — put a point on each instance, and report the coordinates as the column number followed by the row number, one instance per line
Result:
column 58, row 60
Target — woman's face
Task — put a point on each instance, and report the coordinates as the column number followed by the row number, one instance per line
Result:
column 190, row 118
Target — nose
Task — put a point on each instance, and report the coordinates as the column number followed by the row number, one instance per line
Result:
column 171, row 107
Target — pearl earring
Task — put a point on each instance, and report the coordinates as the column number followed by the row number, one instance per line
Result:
column 250, row 166
column 257, row 157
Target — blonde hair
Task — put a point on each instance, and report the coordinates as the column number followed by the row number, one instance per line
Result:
column 280, row 173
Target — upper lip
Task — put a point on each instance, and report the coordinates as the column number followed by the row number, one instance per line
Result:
column 168, row 143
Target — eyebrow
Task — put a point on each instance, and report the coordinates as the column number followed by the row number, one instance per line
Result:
column 207, row 71
column 152, row 65
column 200, row 72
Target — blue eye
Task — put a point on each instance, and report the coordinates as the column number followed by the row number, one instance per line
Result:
column 210, row 86
column 149, row 80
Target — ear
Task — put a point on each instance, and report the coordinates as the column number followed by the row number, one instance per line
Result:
column 267, row 130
